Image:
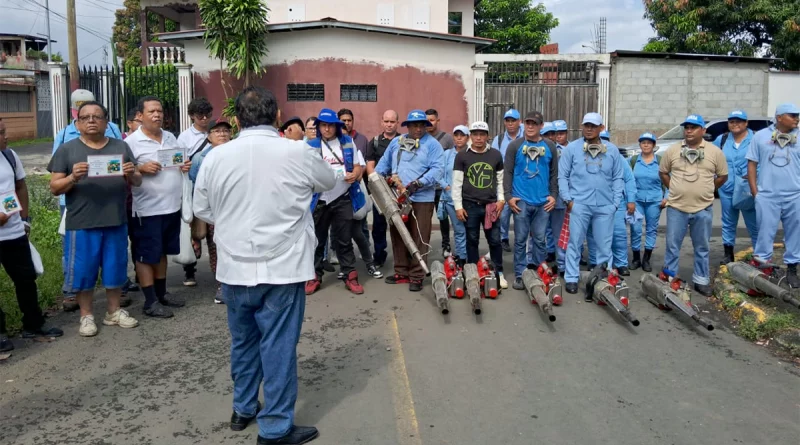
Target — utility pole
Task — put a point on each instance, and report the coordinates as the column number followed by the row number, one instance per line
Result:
column 47, row 19
column 72, row 37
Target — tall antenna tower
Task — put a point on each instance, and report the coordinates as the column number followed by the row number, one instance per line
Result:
column 601, row 38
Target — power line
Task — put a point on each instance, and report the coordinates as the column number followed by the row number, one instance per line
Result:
column 63, row 19
column 96, row 50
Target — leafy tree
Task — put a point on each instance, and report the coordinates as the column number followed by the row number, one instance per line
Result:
column 730, row 27
column 127, row 34
column 518, row 26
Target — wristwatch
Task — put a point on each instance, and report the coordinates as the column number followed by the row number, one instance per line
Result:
column 27, row 220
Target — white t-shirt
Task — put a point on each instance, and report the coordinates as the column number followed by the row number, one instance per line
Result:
column 191, row 140
column 341, row 186
column 13, row 228
column 159, row 194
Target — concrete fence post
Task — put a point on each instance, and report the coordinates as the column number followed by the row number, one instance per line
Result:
column 59, row 95
column 185, row 93
column 479, row 111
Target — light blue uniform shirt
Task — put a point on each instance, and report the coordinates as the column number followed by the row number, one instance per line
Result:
column 585, row 180
column 448, row 161
column 507, row 139
column 736, row 157
column 630, row 183
column 424, row 164
column 71, row 132
column 559, row 201
column 776, row 178
column 648, row 183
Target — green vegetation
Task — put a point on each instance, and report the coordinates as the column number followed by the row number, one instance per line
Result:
column 45, row 237
column 751, row 329
column 42, row 55
column 24, row 142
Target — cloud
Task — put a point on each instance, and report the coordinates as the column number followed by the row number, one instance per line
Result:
column 625, row 26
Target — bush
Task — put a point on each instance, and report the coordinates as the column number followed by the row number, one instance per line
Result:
column 154, row 80
column 44, row 236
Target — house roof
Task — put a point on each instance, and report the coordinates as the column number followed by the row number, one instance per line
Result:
column 329, row 22
column 687, row 56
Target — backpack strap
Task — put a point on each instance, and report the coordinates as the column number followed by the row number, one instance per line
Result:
column 9, row 155
column 633, row 161
column 724, row 139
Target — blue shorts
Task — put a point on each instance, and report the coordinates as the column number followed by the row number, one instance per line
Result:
column 87, row 251
column 156, row 236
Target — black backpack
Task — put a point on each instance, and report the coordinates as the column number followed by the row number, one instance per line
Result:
column 9, row 155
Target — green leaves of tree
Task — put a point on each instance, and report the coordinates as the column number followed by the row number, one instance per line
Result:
column 517, row 25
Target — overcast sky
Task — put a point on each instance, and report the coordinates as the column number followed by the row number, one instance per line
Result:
column 626, row 28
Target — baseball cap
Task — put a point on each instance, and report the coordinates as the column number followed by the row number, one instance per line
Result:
column 479, row 126
column 548, row 127
column 738, row 114
column 534, row 116
column 416, row 116
column 512, row 114
column 694, row 119
column 293, row 120
column 592, row 118
column 647, row 137
column 219, row 123
column 462, row 128
column 560, row 125
column 787, row 109
column 80, row 96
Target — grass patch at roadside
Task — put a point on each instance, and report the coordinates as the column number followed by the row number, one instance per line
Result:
column 44, row 236
column 24, row 142
column 753, row 330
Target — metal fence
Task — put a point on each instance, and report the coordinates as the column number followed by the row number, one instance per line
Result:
column 541, row 72
column 120, row 91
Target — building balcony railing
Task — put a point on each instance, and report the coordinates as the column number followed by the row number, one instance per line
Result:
column 156, row 53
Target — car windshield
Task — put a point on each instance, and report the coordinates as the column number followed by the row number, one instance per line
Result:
column 675, row 133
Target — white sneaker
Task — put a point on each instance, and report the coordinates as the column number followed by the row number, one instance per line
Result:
column 503, row 282
column 120, row 318
column 88, row 327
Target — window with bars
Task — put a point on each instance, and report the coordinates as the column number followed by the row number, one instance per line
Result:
column 359, row 93
column 305, row 92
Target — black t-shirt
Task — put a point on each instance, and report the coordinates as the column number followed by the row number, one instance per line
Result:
column 377, row 147
column 480, row 174
column 93, row 202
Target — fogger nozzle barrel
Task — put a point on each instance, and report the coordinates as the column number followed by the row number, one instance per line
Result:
column 753, row 278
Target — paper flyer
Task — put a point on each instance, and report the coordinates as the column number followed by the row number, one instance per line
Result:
column 11, row 204
column 104, row 165
column 171, row 158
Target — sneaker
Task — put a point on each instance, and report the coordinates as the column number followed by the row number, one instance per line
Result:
column 69, row 303
column 339, row 275
column 124, row 300
column 374, row 271
column 121, row 318
column 130, row 286
column 518, row 284
column 88, row 328
column 157, row 311
column 190, row 281
column 312, row 286
column 5, row 343
column 703, row 289
column 333, row 259
column 352, row 284
column 551, row 257
column 43, row 331
column 171, row 301
column 503, row 282
column 397, row 279
column 506, row 245
column 218, row 296
column 571, row 288
column 415, row 285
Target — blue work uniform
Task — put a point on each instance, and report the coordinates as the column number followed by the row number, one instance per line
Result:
column 737, row 166
column 595, row 187
column 554, row 227
column 446, row 206
column 649, row 194
column 423, row 164
column 777, row 200
column 500, row 142
column 619, row 246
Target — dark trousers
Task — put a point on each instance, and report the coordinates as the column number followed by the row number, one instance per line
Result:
column 362, row 241
column 444, row 224
column 379, row 236
column 336, row 216
column 419, row 226
column 476, row 214
column 15, row 257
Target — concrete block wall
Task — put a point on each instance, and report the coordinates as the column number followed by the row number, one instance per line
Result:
column 657, row 94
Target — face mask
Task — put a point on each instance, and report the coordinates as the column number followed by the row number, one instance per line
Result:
column 533, row 152
column 594, row 149
column 783, row 139
column 408, row 144
column 692, row 155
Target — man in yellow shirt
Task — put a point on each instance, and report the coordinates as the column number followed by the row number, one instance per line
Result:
column 691, row 169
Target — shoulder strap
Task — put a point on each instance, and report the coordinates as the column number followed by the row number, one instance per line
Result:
column 375, row 143
column 633, row 161
column 500, row 142
column 338, row 159
column 9, row 155
column 724, row 138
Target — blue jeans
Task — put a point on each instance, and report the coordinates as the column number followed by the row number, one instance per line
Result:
column 265, row 323
column 651, row 212
column 699, row 226
column 730, row 219
column 591, row 246
column 619, row 244
column 459, row 231
column 531, row 221
column 379, row 227
column 601, row 221
column 505, row 222
column 476, row 215
column 772, row 211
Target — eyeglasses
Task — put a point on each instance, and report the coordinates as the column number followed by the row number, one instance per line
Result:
column 91, row 117
column 202, row 117
column 220, row 131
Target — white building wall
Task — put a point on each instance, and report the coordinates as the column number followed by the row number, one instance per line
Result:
column 467, row 10
column 783, row 87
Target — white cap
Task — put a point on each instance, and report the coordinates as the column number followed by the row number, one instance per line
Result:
column 479, row 126
column 80, row 96
column 462, row 128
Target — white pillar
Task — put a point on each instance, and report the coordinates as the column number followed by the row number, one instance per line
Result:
column 185, row 93
column 479, row 107
column 604, row 91
column 105, row 88
column 59, row 95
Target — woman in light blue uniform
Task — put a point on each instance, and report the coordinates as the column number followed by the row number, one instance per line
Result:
column 650, row 199
column 446, row 206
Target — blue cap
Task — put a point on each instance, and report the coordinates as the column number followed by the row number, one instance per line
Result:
column 329, row 117
column 738, row 114
column 547, row 128
column 787, row 109
column 512, row 114
column 560, row 125
column 593, row 118
column 605, row 135
column 417, row 116
column 462, row 128
column 694, row 119
column 648, row 137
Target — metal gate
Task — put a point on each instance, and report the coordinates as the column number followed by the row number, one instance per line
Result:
column 560, row 90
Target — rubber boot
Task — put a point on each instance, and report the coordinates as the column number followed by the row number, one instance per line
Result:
column 637, row 261
column 646, row 260
column 791, row 276
column 728, row 258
